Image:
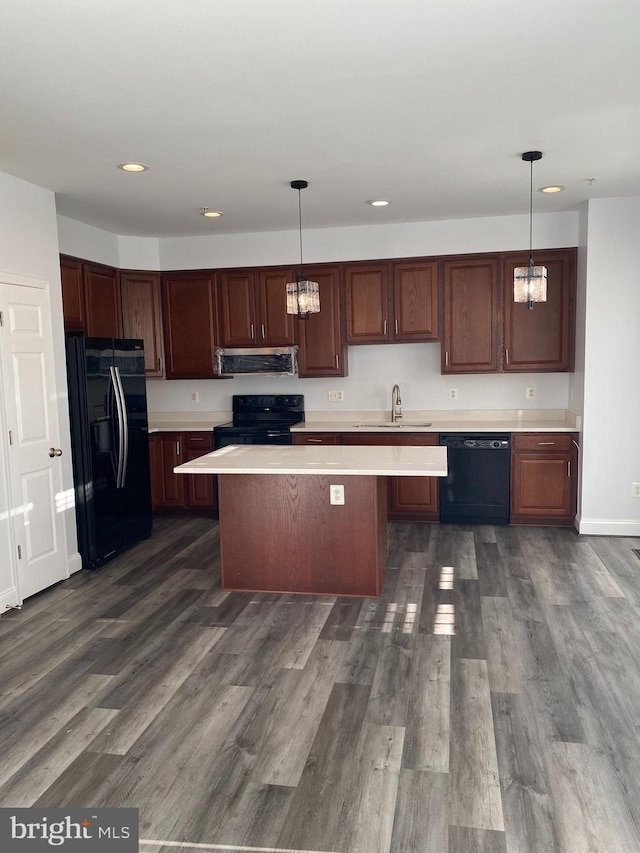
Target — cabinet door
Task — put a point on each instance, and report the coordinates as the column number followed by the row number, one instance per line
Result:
column 321, row 349
column 102, row 301
column 415, row 301
column 409, row 498
column 276, row 327
column 544, row 478
column 200, row 488
column 472, row 316
column 165, row 452
column 315, row 438
column 541, row 338
column 142, row 316
column 190, row 325
column 238, row 308
column 72, row 294
column 367, row 303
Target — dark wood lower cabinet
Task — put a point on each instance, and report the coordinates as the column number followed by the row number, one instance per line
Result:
column 544, row 478
column 408, row 498
column 195, row 492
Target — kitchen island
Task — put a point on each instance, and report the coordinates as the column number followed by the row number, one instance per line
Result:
column 279, row 530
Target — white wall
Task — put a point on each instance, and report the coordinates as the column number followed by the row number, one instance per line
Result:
column 29, row 247
column 492, row 234
column 373, row 370
column 611, row 449
column 87, row 242
column 138, row 253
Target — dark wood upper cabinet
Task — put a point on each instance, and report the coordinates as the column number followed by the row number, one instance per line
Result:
column 367, row 303
column 541, row 338
column 71, row 274
column 415, row 301
column 102, row 301
column 189, row 316
column 471, row 316
column 253, row 308
column 321, row 349
column 277, row 328
column 238, row 308
column 391, row 302
column 142, row 316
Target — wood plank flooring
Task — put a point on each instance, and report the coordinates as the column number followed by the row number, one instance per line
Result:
column 489, row 700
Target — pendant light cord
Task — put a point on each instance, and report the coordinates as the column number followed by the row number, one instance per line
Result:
column 531, row 213
column 300, row 228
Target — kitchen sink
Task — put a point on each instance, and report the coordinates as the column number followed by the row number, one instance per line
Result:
column 396, row 425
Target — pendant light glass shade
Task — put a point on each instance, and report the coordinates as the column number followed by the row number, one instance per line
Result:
column 303, row 295
column 530, row 282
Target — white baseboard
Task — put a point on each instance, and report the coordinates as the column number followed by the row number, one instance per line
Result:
column 607, row 527
column 74, row 563
column 8, row 598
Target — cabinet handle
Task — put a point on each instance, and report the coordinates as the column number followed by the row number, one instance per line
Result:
column 446, row 358
column 196, row 439
column 337, row 362
column 506, row 356
column 177, row 448
column 263, row 334
column 541, row 443
column 384, row 328
column 396, row 327
column 568, row 468
column 314, row 441
column 252, row 330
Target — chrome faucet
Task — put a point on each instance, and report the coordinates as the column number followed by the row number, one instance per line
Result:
column 396, row 404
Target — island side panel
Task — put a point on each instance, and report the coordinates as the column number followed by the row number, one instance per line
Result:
column 279, row 533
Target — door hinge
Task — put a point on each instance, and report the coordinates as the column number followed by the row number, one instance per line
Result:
column 10, row 436
column 1, row 319
column 19, row 552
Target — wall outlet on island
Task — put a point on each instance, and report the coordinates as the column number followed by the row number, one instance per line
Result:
column 336, row 495
column 336, row 396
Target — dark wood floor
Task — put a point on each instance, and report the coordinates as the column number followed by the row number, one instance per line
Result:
column 488, row 701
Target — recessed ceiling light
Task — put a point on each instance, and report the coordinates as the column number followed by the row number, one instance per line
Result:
column 132, row 167
column 556, row 188
column 378, row 202
column 211, row 214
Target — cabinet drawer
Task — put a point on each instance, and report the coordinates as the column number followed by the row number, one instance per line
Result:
column 543, row 441
column 315, row 438
column 198, row 441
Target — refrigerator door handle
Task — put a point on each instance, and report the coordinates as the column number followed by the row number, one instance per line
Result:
column 116, row 394
column 125, row 429
column 111, row 395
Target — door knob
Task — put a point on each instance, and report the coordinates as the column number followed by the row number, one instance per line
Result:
column 55, row 451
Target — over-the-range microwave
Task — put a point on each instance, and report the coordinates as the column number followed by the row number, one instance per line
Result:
column 257, row 361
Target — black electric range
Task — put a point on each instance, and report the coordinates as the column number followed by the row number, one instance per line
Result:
column 261, row 419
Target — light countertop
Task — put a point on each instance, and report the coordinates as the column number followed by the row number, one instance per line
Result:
column 448, row 425
column 324, row 459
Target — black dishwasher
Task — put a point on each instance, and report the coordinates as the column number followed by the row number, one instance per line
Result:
column 476, row 489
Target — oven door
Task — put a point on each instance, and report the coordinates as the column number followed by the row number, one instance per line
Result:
column 223, row 436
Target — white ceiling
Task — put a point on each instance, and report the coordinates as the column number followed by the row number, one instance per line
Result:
column 429, row 103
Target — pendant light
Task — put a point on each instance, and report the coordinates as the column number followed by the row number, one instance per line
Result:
column 530, row 282
column 303, row 296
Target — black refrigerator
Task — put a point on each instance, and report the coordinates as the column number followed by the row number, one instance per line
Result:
column 110, row 445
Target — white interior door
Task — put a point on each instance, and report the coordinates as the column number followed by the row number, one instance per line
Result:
column 30, row 417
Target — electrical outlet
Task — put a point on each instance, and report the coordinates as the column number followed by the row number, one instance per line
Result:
column 530, row 392
column 195, row 396
column 336, row 396
column 635, row 490
column 453, row 393
column 336, row 495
